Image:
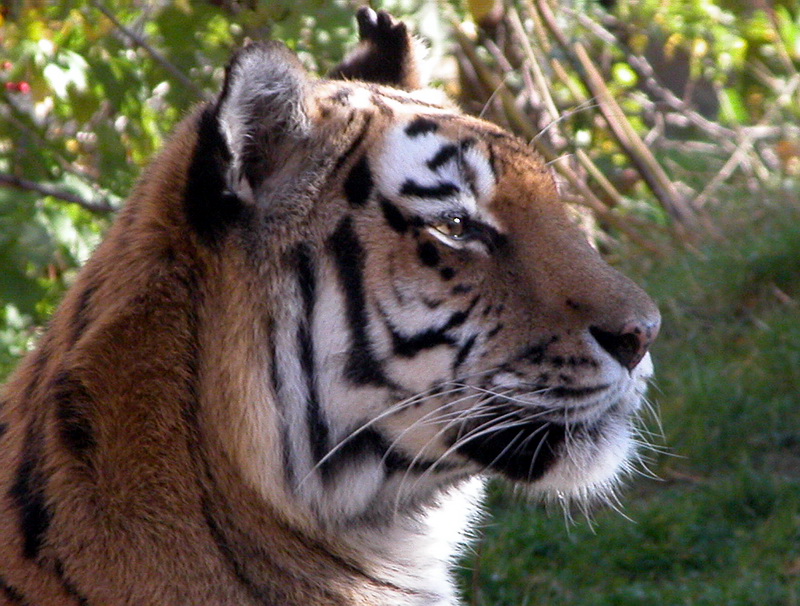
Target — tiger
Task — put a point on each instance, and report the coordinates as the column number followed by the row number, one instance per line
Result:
column 330, row 309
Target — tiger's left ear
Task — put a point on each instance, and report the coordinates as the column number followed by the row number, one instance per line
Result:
column 386, row 53
column 262, row 114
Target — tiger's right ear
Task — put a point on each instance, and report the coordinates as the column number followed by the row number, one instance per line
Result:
column 261, row 113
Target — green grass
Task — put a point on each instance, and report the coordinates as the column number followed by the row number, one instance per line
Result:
column 722, row 526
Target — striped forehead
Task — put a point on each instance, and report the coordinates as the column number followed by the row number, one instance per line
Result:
column 431, row 170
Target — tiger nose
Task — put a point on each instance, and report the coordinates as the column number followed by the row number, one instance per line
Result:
column 629, row 344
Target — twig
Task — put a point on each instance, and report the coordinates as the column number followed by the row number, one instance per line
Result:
column 533, row 64
column 780, row 43
column 641, row 157
column 645, row 71
column 745, row 144
column 159, row 58
column 99, row 207
column 522, row 125
column 637, row 151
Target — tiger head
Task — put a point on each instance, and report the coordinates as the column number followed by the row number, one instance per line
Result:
column 435, row 313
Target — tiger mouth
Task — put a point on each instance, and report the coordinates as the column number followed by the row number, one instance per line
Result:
column 523, row 451
column 523, row 443
column 575, row 392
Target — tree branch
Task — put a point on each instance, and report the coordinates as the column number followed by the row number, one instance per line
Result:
column 159, row 58
column 102, row 207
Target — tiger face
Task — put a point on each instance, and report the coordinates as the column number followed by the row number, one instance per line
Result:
column 449, row 319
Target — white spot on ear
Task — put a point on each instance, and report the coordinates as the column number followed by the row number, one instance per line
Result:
column 360, row 98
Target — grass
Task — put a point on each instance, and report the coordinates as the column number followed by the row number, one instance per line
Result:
column 722, row 526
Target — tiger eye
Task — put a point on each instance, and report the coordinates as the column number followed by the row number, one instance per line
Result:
column 452, row 227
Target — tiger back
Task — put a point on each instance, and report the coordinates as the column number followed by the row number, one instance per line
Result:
column 327, row 311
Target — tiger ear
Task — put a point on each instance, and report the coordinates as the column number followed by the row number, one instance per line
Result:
column 262, row 113
column 386, row 53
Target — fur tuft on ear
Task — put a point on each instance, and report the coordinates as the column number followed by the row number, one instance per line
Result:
column 261, row 112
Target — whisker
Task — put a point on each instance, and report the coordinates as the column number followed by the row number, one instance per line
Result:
column 495, row 423
column 585, row 105
column 432, row 392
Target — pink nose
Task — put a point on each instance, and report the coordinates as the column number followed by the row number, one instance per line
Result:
column 630, row 344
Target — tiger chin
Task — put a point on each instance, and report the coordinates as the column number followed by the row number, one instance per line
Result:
column 328, row 309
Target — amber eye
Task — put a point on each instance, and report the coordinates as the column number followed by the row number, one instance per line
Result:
column 452, row 227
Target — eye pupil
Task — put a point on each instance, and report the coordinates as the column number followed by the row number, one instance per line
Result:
column 453, row 227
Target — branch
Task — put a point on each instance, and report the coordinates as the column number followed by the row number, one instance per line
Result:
column 523, row 126
column 159, row 58
column 745, row 144
column 620, row 127
column 99, row 207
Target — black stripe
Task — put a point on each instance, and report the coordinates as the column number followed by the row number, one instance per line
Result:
column 40, row 360
column 428, row 254
column 459, row 317
column 277, row 386
column 210, row 208
column 438, row 191
column 463, row 352
column 72, row 403
column 3, row 429
column 492, row 161
column 430, row 303
column 370, row 443
column 492, row 239
column 354, row 145
column 362, row 368
column 358, row 185
column 534, row 353
column 443, row 156
column 317, row 427
column 28, row 494
column 230, row 556
column 190, row 415
column 410, row 346
column 494, row 330
column 447, row 273
column 68, row 585
column 12, row 594
column 393, row 216
column 81, row 319
column 421, row 126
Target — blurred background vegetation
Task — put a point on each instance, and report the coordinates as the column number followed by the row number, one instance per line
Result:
column 673, row 128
